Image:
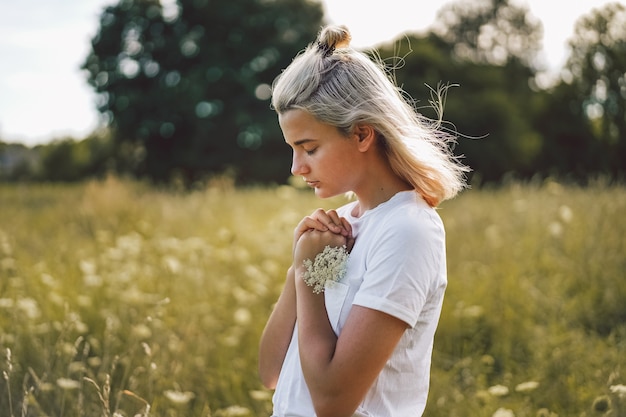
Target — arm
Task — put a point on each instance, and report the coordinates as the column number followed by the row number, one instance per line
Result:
column 277, row 334
column 339, row 371
column 279, row 328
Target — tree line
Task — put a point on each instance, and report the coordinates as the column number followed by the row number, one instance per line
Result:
column 183, row 90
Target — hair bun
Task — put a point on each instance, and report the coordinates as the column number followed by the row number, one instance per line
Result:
column 333, row 37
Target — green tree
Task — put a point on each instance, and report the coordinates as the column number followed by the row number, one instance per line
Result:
column 185, row 84
column 597, row 70
column 491, row 106
column 67, row 159
column 568, row 149
column 490, row 31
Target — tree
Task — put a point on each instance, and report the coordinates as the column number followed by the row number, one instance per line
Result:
column 185, row 84
column 569, row 149
column 597, row 69
column 492, row 104
column 67, row 159
column 490, row 31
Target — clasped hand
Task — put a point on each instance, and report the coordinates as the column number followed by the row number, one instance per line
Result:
column 320, row 229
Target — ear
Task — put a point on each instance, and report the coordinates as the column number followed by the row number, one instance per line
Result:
column 365, row 136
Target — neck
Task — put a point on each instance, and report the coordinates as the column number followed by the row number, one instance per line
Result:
column 378, row 181
column 377, row 192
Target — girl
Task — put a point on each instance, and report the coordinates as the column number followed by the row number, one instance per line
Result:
column 363, row 346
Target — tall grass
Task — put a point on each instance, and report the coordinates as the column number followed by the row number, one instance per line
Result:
column 117, row 299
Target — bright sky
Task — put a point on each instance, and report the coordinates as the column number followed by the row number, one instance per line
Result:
column 44, row 95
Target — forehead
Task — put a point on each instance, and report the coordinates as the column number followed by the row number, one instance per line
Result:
column 298, row 125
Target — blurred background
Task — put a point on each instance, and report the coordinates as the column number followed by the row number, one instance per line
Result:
column 179, row 89
column 136, row 275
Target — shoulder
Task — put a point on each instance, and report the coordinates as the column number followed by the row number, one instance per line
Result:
column 412, row 219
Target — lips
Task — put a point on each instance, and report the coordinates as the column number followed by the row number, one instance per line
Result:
column 311, row 184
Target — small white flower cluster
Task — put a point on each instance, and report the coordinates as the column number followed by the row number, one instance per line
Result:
column 328, row 266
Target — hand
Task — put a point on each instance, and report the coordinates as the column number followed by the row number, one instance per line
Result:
column 322, row 221
column 313, row 242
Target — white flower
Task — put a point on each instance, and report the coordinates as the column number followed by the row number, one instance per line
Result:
column 141, row 331
column 503, row 412
column 328, row 266
column 29, row 307
column 526, row 386
column 68, row 384
column 566, row 214
column 242, row 316
column 619, row 390
column 179, row 397
column 498, row 390
column 234, row 411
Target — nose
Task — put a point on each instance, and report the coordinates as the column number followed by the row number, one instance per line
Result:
column 298, row 167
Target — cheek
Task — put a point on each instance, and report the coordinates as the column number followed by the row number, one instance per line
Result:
column 341, row 166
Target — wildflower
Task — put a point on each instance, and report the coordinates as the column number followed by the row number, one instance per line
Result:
column 29, row 307
column 328, row 266
column 49, row 280
column 179, row 397
column 544, row 412
column 94, row 361
column 172, row 264
column 87, row 267
column 68, row 384
column 619, row 390
column 498, row 390
column 566, row 214
column 234, row 411
column 503, row 412
column 146, row 348
column 141, row 331
column 261, row 395
column 526, row 386
column 242, row 316
column 130, row 244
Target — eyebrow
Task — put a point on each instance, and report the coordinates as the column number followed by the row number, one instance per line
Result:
column 302, row 142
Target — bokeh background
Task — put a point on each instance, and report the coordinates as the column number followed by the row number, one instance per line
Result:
column 147, row 208
column 179, row 90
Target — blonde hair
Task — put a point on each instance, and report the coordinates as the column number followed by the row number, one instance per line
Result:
column 342, row 87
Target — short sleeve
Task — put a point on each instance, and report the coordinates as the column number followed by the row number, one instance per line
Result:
column 404, row 265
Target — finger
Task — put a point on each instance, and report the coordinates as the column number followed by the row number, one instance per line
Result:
column 309, row 223
column 347, row 227
column 330, row 219
column 336, row 224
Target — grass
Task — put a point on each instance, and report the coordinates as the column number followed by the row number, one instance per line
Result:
column 117, row 299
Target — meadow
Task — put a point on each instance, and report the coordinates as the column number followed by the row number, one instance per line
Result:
column 119, row 299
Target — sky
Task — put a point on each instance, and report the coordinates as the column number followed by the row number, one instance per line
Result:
column 44, row 94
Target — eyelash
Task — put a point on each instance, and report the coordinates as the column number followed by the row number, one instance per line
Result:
column 311, row 152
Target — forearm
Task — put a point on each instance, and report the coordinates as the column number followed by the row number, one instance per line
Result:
column 317, row 343
column 277, row 334
column 329, row 370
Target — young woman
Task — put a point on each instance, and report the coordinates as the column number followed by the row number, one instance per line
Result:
column 363, row 346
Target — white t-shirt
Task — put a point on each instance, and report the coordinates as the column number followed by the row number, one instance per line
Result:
column 397, row 266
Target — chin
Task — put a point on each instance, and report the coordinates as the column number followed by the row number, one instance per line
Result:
column 321, row 193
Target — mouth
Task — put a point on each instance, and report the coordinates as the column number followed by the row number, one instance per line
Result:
column 311, row 184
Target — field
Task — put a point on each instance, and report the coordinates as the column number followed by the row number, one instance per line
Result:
column 118, row 299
